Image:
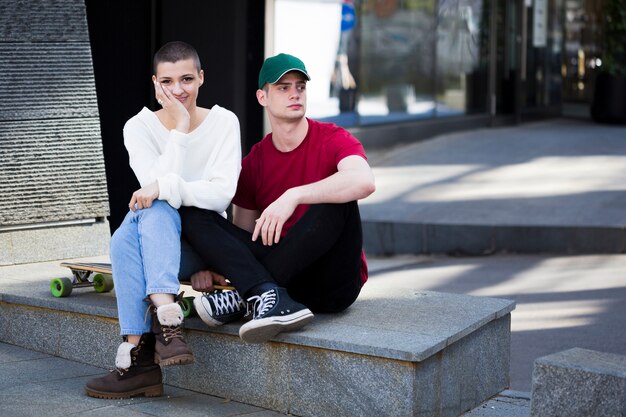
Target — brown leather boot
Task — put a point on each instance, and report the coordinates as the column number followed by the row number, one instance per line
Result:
column 135, row 373
column 167, row 326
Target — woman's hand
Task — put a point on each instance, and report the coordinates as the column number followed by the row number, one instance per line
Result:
column 143, row 197
column 173, row 107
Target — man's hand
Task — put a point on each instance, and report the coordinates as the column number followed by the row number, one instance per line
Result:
column 270, row 225
column 204, row 281
column 143, row 197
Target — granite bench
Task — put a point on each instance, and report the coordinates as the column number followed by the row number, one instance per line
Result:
column 396, row 352
column 579, row 382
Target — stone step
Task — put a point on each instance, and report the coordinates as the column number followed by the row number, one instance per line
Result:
column 386, row 238
column 579, row 382
column 395, row 352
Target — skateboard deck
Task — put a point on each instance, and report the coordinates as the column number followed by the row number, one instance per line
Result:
column 100, row 276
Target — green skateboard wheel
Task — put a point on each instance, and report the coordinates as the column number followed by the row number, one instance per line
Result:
column 187, row 306
column 61, row 287
column 102, row 282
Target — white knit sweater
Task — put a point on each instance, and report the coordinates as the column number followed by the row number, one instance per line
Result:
column 197, row 169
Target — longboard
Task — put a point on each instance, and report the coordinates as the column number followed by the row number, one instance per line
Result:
column 97, row 275
column 100, row 277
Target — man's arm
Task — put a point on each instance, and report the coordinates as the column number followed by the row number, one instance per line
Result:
column 354, row 180
column 244, row 218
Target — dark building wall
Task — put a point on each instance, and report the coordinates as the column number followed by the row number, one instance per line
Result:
column 229, row 37
column 51, row 163
column 120, row 33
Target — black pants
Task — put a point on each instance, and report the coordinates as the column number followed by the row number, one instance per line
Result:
column 318, row 261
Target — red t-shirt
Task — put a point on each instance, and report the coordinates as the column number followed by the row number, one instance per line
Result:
column 266, row 172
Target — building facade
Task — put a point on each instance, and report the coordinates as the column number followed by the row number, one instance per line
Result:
column 53, row 191
column 415, row 67
column 390, row 71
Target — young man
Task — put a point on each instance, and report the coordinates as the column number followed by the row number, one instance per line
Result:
column 182, row 155
column 296, row 243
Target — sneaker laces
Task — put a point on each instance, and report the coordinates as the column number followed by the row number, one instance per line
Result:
column 225, row 302
column 263, row 303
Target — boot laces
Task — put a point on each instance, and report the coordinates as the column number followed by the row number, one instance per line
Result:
column 172, row 332
column 225, row 302
column 263, row 303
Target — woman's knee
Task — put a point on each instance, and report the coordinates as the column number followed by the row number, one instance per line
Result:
column 160, row 212
column 120, row 238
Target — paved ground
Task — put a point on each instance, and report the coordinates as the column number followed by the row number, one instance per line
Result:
column 561, row 172
column 562, row 301
column 555, row 175
column 38, row 385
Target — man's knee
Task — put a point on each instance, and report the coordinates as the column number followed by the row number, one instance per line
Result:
column 193, row 218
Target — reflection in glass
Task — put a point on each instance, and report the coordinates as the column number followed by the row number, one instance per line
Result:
column 544, row 50
column 581, row 52
column 397, row 60
column 462, row 57
column 384, row 61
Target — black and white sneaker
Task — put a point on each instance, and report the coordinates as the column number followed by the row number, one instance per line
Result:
column 273, row 312
column 220, row 307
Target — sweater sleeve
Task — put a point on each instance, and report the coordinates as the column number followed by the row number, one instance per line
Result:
column 146, row 160
column 218, row 182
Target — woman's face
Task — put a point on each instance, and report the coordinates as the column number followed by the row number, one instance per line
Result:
column 182, row 79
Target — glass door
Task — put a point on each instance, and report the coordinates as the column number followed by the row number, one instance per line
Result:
column 541, row 59
column 581, row 54
column 506, row 71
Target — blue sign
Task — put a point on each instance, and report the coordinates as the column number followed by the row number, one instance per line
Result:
column 348, row 16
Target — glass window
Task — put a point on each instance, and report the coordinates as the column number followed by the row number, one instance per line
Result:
column 396, row 73
column 462, row 57
column 310, row 30
column 543, row 67
column 381, row 61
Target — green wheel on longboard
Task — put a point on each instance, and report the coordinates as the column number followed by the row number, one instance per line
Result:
column 102, row 282
column 187, row 305
column 61, row 287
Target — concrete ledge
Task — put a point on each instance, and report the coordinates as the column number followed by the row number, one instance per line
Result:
column 579, row 382
column 396, row 352
column 392, row 238
column 54, row 242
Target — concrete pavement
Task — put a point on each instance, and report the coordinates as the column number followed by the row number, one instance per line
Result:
column 560, row 172
column 554, row 186
column 39, row 385
column 561, row 301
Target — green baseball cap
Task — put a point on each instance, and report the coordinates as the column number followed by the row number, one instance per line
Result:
column 275, row 67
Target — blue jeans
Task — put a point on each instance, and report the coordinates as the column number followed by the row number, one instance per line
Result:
column 146, row 258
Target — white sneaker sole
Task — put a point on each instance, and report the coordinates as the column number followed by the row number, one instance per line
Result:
column 204, row 314
column 262, row 330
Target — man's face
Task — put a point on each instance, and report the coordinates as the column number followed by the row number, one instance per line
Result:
column 182, row 79
column 286, row 98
